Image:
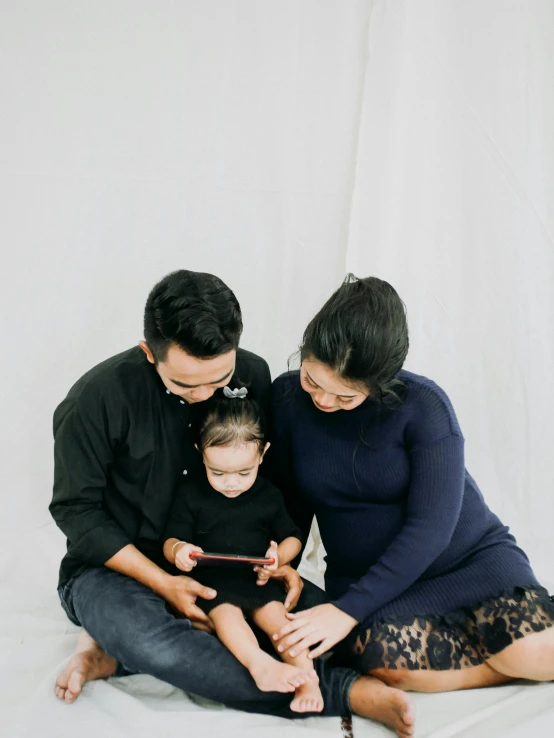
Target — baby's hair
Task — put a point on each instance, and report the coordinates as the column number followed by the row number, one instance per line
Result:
column 231, row 422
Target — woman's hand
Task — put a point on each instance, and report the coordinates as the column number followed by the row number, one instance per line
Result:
column 323, row 624
column 267, row 570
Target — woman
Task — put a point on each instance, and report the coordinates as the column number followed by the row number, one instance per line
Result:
column 429, row 591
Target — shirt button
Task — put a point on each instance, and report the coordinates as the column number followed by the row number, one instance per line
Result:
column 167, row 392
column 182, row 402
column 185, row 472
column 190, row 425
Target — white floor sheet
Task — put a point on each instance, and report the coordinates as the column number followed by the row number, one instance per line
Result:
column 37, row 639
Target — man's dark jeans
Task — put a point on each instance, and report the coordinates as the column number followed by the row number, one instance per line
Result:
column 136, row 627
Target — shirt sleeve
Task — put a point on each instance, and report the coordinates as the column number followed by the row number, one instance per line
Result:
column 433, row 508
column 282, row 525
column 181, row 522
column 85, row 438
column 280, row 467
column 263, row 393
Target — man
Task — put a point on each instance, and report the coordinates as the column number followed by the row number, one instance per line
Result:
column 122, row 442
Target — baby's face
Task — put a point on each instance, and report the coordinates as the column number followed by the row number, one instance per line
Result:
column 232, row 470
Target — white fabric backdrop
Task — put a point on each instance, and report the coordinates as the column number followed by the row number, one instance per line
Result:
column 453, row 203
column 278, row 145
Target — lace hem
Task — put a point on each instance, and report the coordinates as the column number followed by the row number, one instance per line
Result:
column 464, row 638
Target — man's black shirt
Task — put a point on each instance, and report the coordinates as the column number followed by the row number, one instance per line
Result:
column 122, row 443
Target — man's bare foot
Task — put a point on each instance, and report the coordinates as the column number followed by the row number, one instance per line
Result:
column 370, row 698
column 88, row 663
column 308, row 697
column 274, row 676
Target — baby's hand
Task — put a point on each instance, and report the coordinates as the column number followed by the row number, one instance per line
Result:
column 182, row 556
column 264, row 572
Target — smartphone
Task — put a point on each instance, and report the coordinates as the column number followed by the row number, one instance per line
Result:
column 238, row 559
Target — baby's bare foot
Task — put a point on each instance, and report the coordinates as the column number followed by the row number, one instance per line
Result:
column 308, row 697
column 90, row 662
column 371, row 698
column 274, row 676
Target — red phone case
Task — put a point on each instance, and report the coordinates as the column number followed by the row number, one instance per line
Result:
column 236, row 558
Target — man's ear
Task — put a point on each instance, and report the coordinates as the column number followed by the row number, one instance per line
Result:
column 146, row 349
column 267, row 445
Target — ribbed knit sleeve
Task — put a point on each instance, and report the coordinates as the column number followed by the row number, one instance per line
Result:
column 435, row 495
column 280, row 460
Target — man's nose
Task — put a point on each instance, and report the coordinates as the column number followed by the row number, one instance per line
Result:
column 202, row 393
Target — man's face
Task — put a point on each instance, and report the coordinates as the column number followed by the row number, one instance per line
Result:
column 195, row 380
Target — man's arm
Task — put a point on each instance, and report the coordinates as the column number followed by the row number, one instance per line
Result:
column 86, row 434
column 180, row 591
column 130, row 561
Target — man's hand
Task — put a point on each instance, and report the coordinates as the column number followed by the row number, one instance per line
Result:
column 181, row 592
column 292, row 580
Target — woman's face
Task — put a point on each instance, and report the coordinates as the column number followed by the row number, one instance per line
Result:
column 328, row 391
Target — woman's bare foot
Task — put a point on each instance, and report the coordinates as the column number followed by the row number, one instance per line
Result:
column 274, row 676
column 308, row 697
column 370, row 698
column 88, row 663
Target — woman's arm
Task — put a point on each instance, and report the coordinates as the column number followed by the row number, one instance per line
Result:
column 434, row 503
column 433, row 507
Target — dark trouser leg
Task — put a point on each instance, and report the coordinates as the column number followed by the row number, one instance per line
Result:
column 132, row 624
column 311, row 596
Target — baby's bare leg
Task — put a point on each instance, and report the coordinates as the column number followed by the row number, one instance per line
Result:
column 271, row 618
column 270, row 675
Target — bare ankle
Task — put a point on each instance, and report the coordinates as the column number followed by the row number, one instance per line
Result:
column 255, row 660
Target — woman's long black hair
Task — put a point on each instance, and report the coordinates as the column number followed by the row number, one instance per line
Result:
column 361, row 333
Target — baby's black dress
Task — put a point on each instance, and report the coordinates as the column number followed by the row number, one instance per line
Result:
column 241, row 525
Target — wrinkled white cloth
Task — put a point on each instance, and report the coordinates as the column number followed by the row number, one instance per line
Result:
column 37, row 639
